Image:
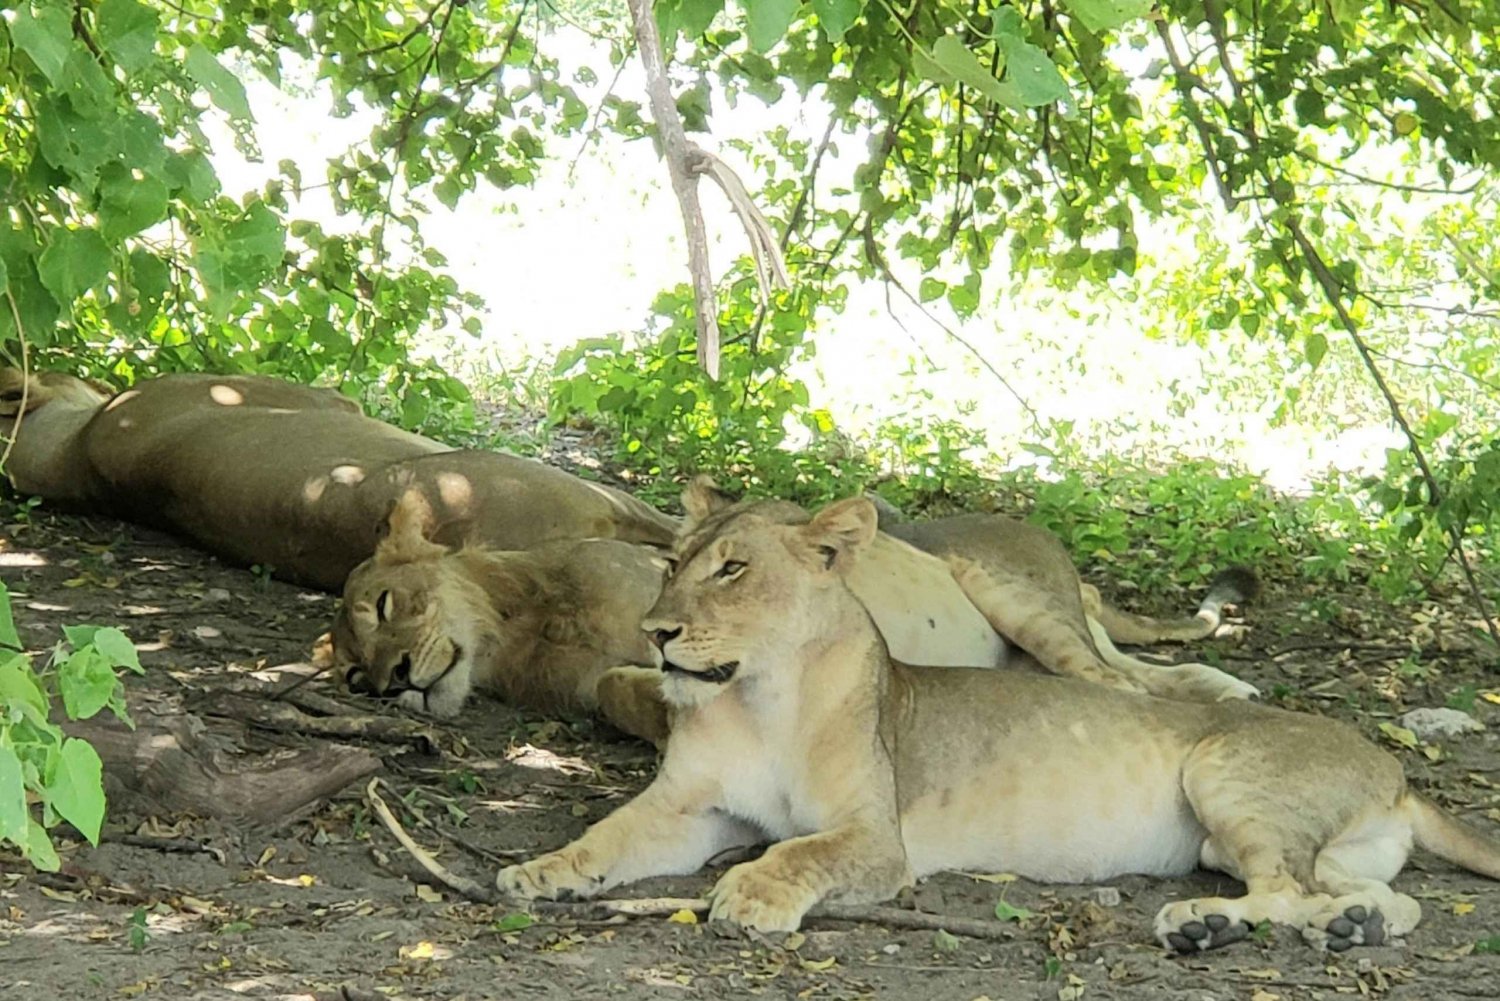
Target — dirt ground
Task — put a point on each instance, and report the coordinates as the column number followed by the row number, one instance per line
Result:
column 330, row 907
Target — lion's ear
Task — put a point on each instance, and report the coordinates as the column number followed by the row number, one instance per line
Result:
column 839, row 531
column 702, row 497
column 407, row 530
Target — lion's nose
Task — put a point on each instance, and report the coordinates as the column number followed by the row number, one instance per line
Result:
column 401, row 676
column 661, row 637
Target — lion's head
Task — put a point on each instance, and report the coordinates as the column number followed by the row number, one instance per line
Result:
column 745, row 582
column 414, row 621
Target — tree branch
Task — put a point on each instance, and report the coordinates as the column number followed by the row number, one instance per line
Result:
column 1333, row 290
column 685, row 162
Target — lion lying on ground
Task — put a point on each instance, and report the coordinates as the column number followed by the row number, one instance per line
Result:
column 557, row 628
column 262, row 471
column 791, row 723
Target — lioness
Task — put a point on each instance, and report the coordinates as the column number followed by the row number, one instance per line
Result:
column 545, row 628
column 792, row 723
column 259, row 470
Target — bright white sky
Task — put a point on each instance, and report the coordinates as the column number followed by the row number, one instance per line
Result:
column 584, row 256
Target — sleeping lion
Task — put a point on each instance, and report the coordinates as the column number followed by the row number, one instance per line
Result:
column 792, row 723
column 262, row 471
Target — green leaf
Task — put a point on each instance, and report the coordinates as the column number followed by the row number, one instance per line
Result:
column 127, row 31
column 45, row 36
column 76, row 788
column 837, row 16
column 77, row 261
column 117, row 649
column 954, row 58
column 224, row 88
column 518, row 921
column 767, row 21
column 38, row 848
column 79, row 637
column 694, row 16
column 129, row 204
column 18, row 686
column 8, row 635
column 1033, row 77
column 1102, row 15
column 13, row 812
column 87, row 682
column 241, row 255
column 1314, row 348
column 1009, row 912
column 930, row 289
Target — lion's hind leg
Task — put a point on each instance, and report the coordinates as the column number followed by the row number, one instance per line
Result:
column 1037, row 622
column 1185, row 682
column 1309, row 821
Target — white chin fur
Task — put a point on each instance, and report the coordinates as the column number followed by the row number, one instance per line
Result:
column 445, row 698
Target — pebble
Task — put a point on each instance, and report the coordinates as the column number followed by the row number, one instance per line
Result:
column 216, row 594
column 1428, row 724
column 1107, row 896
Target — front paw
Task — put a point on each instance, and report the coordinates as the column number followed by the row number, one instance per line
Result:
column 438, row 701
column 754, row 899
column 556, row 876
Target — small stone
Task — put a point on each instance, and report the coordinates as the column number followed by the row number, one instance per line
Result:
column 1429, row 724
column 218, row 595
column 1106, row 896
column 891, row 949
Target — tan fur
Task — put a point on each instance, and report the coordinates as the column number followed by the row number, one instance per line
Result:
column 289, row 477
column 792, row 724
column 553, row 628
column 920, row 611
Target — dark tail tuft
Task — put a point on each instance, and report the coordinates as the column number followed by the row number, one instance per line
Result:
column 1233, row 585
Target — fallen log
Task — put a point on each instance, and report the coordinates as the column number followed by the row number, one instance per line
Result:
column 173, row 763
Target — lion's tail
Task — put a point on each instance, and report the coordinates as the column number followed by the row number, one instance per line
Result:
column 1449, row 838
column 1452, row 839
column 1235, row 585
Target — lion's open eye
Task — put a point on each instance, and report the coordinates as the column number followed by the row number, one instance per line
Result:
column 730, row 570
column 383, row 606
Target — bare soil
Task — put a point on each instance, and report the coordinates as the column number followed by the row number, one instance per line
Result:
column 328, row 906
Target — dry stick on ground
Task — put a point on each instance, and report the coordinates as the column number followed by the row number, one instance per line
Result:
column 893, row 917
column 1333, row 290
column 284, row 718
column 685, row 162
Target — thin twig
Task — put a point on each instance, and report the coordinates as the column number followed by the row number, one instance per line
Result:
column 15, row 431
column 462, row 885
column 894, row 917
column 644, row 907
column 873, row 254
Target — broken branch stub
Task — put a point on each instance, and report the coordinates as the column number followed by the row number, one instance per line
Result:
column 685, row 163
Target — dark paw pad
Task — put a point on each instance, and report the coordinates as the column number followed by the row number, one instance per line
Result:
column 1356, row 926
column 1213, row 931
